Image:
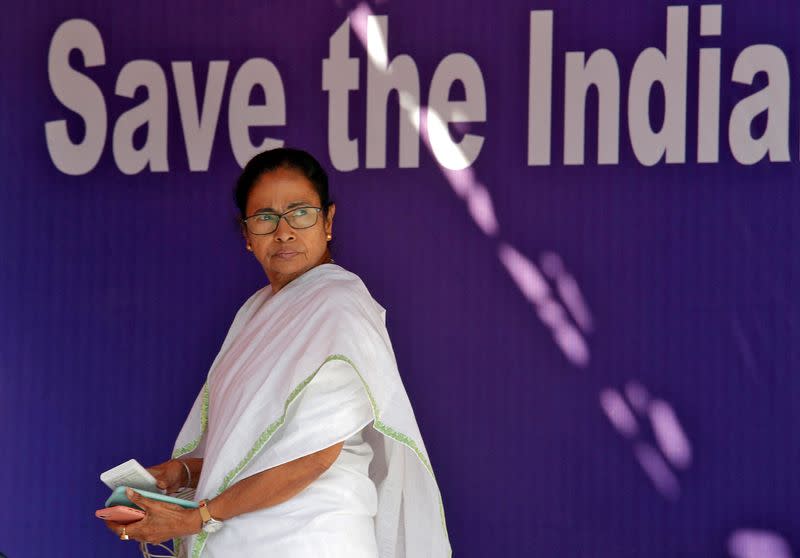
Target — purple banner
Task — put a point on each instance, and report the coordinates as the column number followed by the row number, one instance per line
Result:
column 581, row 219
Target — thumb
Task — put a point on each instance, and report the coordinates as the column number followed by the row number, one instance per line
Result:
column 137, row 499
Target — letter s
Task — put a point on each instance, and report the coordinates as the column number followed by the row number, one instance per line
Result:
column 78, row 93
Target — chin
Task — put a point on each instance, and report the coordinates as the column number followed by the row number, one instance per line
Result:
column 298, row 264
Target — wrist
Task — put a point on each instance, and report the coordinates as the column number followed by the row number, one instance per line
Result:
column 209, row 522
column 186, row 474
column 192, row 521
column 213, row 509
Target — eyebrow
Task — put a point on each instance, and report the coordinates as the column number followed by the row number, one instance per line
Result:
column 290, row 206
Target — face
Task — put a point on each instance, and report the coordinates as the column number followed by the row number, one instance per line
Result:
column 287, row 253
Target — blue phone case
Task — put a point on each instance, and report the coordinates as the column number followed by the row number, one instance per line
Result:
column 118, row 498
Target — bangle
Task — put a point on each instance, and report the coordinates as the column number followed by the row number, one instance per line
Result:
column 188, row 474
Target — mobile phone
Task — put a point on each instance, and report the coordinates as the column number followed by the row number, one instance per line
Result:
column 119, row 498
column 120, row 514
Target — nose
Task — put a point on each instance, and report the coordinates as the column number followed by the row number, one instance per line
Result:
column 284, row 232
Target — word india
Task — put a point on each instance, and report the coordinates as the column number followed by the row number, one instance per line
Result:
column 654, row 68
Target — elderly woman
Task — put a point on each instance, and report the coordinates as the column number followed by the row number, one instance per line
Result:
column 302, row 441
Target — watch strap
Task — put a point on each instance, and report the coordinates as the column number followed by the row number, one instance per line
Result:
column 205, row 515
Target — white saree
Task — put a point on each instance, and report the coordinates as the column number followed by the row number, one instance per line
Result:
column 251, row 415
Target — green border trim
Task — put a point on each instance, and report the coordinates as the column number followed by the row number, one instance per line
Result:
column 203, row 426
column 265, row 436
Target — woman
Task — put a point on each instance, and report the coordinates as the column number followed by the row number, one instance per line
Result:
column 302, row 442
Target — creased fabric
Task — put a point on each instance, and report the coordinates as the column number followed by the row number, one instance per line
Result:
column 274, row 349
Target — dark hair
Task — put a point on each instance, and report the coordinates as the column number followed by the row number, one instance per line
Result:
column 282, row 157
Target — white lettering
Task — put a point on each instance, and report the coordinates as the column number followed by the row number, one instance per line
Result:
column 383, row 77
column 540, row 86
column 601, row 71
column 669, row 70
column 441, row 111
column 242, row 115
column 78, row 93
column 774, row 99
column 199, row 129
column 708, row 88
column 339, row 77
column 152, row 112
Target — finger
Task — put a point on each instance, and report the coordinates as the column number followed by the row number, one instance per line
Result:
column 132, row 530
column 138, row 499
column 116, row 528
column 150, row 506
column 159, row 466
column 158, row 472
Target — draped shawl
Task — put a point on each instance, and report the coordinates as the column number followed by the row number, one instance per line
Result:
column 273, row 350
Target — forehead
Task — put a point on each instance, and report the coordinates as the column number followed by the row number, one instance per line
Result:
column 277, row 189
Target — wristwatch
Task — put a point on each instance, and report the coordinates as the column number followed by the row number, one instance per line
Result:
column 210, row 525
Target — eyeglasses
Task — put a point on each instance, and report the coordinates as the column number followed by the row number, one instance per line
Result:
column 298, row 218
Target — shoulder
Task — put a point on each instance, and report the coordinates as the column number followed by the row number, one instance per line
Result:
column 344, row 289
column 345, row 284
column 337, row 279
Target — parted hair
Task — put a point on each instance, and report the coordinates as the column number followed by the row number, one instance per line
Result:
column 282, row 157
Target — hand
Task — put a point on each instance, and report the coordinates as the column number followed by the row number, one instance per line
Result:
column 162, row 521
column 170, row 475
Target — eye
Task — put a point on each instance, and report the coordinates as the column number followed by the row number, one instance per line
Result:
column 300, row 212
column 266, row 217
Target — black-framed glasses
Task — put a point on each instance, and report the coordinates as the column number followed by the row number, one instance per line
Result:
column 298, row 218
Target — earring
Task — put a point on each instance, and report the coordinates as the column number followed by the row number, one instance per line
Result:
column 249, row 248
column 329, row 237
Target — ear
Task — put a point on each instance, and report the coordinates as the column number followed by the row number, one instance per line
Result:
column 246, row 236
column 329, row 218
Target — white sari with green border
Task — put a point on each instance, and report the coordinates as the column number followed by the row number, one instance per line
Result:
column 273, row 350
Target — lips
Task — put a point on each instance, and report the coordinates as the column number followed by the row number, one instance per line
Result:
column 285, row 254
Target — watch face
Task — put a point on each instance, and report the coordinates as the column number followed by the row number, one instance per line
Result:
column 212, row 526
